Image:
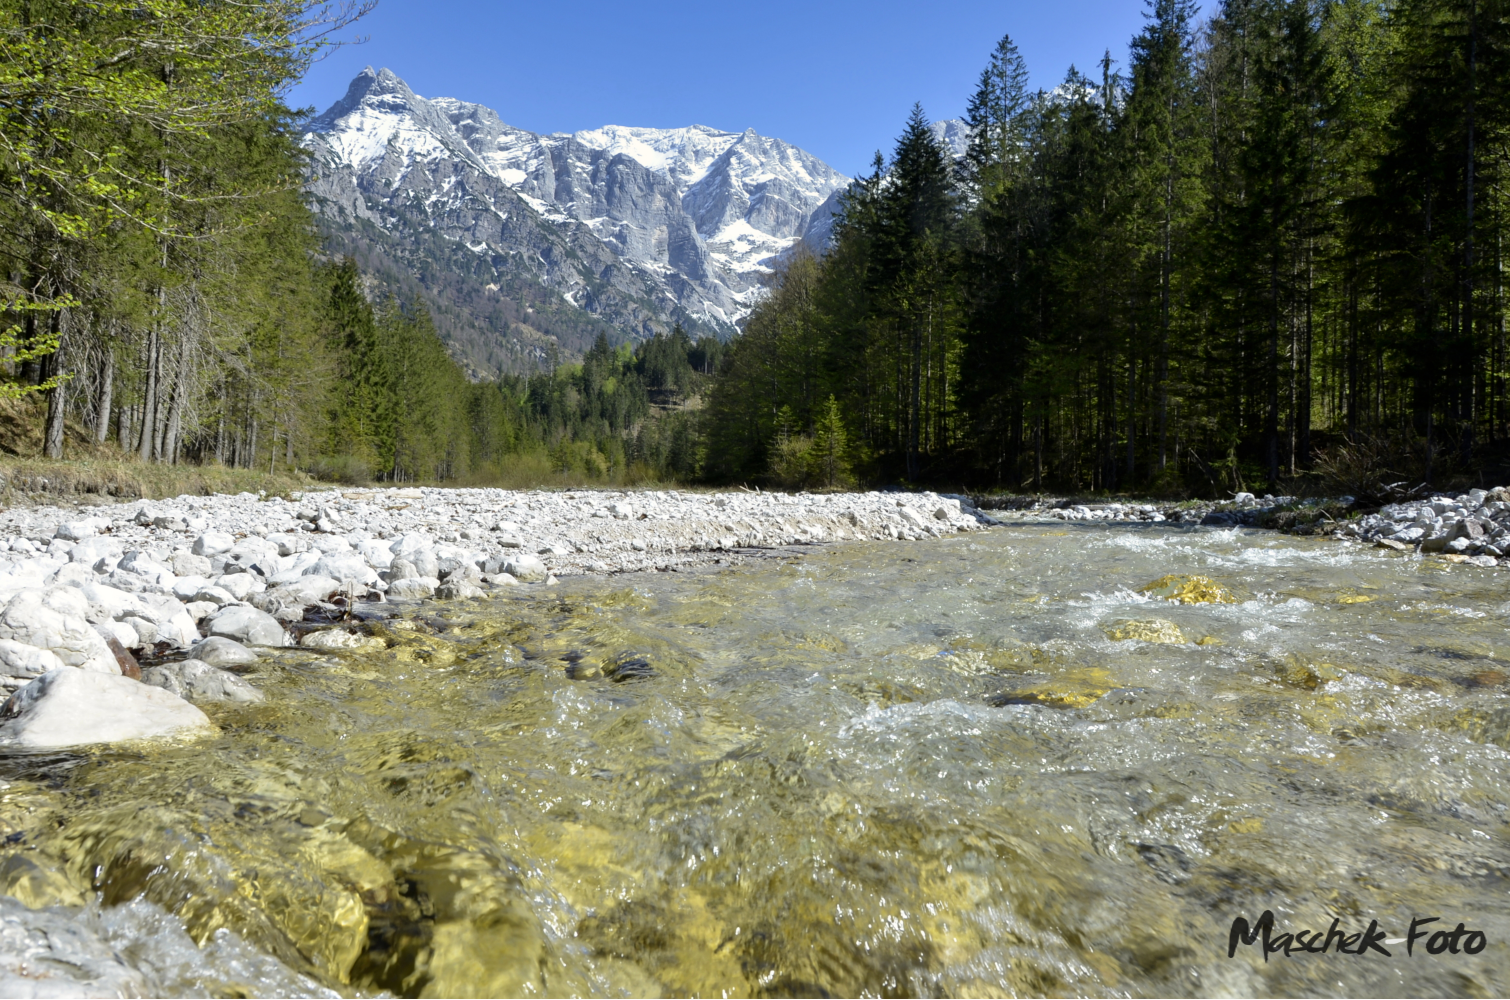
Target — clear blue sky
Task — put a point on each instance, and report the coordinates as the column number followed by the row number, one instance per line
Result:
column 836, row 78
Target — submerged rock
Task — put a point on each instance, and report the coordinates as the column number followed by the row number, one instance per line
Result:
column 71, row 707
column 196, row 681
column 51, row 953
column 334, row 638
column 1146, row 630
column 1188, row 590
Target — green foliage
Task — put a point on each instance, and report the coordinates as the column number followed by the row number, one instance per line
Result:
column 1279, row 232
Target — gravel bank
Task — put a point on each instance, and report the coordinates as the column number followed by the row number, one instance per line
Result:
column 94, row 586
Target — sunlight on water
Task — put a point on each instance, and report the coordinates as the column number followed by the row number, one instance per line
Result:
column 911, row 769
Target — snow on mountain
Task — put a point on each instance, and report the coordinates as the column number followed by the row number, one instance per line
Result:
column 696, row 215
column 953, row 134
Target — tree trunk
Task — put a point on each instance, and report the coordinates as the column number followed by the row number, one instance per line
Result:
column 57, row 403
column 107, row 390
column 148, row 437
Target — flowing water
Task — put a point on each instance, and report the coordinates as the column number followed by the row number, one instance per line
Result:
column 905, row 769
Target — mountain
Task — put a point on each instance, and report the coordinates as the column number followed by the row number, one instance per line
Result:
column 524, row 243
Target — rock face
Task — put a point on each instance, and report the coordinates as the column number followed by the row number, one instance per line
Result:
column 71, row 707
column 635, row 227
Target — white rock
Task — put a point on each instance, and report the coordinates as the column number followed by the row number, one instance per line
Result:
column 218, row 651
column 68, row 707
column 21, row 663
column 238, row 585
column 185, row 587
column 334, row 638
column 74, row 531
column 127, row 632
column 56, row 620
column 526, row 569
column 247, row 625
column 198, row 610
column 413, row 588
column 196, row 681
column 344, row 566
column 410, row 545
column 213, row 543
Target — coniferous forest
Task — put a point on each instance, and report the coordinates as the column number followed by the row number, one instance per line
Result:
column 1267, row 250
column 1269, row 247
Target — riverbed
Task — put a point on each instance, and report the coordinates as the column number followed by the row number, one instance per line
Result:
column 948, row 767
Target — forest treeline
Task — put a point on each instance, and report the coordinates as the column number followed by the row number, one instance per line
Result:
column 165, row 290
column 1273, row 244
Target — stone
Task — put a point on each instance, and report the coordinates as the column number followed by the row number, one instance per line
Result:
column 525, row 569
column 413, row 588
column 910, row 516
column 213, row 543
column 197, row 682
column 335, row 638
column 57, row 620
column 168, row 522
column 303, row 591
column 1393, row 544
column 217, row 596
column 218, row 651
column 410, row 544
column 126, row 632
column 76, row 531
column 401, row 569
column 21, row 663
column 51, row 953
column 1188, row 590
column 69, row 707
column 238, row 585
column 123, row 658
column 458, row 588
column 186, row 563
column 1221, row 519
column 198, row 610
column 1147, row 630
column 247, row 625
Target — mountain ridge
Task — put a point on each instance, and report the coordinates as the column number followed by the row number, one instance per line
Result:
column 618, row 228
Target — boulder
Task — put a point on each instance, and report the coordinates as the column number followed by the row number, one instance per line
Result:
column 56, row 620
column 213, row 543
column 238, row 585
column 525, row 569
column 247, row 625
column 186, row 563
column 303, row 591
column 77, row 531
column 127, row 633
column 401, row 569
column 218, row 651
column 69, row 707
column 344, row 566
column 408, row 545
column 21, row 664
column 458, row 587
column 413, row 588
column 196, row 681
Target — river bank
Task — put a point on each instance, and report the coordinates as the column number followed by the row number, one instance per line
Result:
column 974, row 764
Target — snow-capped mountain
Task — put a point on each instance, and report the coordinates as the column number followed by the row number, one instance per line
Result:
column 634, row 226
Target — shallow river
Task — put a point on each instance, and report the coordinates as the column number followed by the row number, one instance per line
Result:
column 903, row 769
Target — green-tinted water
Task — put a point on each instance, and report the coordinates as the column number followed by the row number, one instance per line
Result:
column 918, row 769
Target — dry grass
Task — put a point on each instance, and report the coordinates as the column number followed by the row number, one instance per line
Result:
column 40, row 480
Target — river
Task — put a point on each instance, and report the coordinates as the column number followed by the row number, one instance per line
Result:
column 933, row 768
